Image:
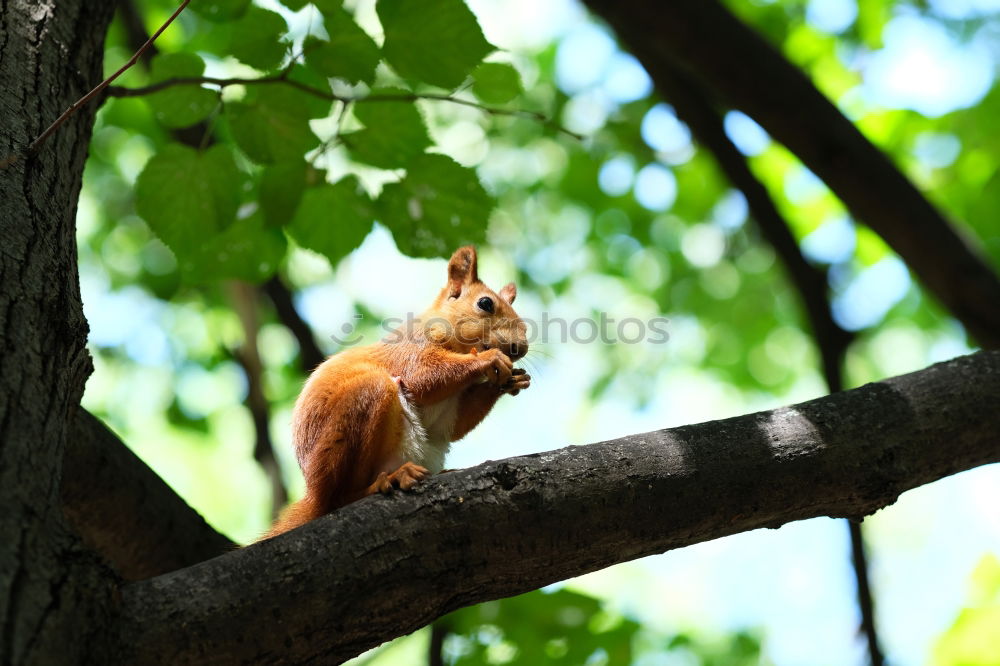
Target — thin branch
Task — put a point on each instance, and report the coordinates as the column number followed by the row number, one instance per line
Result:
column 244, row 300
column 692, row 105
column 859, row 560
column 385, row 566
column 435, row 650
column 50, row 130
column 310, row 355
column 704, row 39
column 136, row 34
column 119, row 91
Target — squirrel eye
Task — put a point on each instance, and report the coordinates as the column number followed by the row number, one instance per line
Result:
column 485, row 304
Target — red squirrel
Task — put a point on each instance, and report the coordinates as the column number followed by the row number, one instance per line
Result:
column 375, row 418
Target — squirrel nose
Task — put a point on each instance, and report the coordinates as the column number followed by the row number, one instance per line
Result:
column 515, row 350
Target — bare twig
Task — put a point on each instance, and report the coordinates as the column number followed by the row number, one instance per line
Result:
column 50, row 130
column 119, row 91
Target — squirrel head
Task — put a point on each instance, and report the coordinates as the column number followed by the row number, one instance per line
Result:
column 469, row 315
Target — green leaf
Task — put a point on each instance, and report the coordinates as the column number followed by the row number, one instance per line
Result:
column 332, row 219
column 220, row 10
column 435, row 41
column 437, row 207
column 394, row 131
column 496, row 83
column 272, row 125
column 182, row 105
column 185, row 195
column 248, row 250
column 349, row 54
column 257, row 38
column 281, row 187
column 295, row 5
column 328, row 6
column 314, row 104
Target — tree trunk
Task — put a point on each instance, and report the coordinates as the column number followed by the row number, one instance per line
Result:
column 53, row 592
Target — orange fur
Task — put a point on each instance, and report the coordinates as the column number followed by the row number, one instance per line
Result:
column 354, row 415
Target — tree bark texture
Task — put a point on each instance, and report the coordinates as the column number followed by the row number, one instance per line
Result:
column 385, row 566
column 50, row 55
column 702, row 38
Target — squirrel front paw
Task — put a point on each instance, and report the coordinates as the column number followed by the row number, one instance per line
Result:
column 496, row 366
column 518, row 381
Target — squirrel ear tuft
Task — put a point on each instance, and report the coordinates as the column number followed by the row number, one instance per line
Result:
column 461, row 270
column 509, row 292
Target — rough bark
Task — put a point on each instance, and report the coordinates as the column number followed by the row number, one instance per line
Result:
column 50, row 55
column 703, row 39
column 125, row 512
column 385, row 566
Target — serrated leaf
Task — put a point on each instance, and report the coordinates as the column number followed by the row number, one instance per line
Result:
column 257, row 38
column 333, row 219
column 495, row 82
column 181, row 105
column 272, row 125
column 281, row 187
column 248, row 250
column 184, row 194
column 438, row 206
column 220, row 10
column 436, row 41
column 394, row 131
column 350, row 53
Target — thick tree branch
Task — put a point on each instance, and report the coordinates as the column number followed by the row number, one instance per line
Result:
column 704, row 39
column 124, row 511
column 385, row 566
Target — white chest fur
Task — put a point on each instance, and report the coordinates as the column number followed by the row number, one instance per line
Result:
column 427, row 432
